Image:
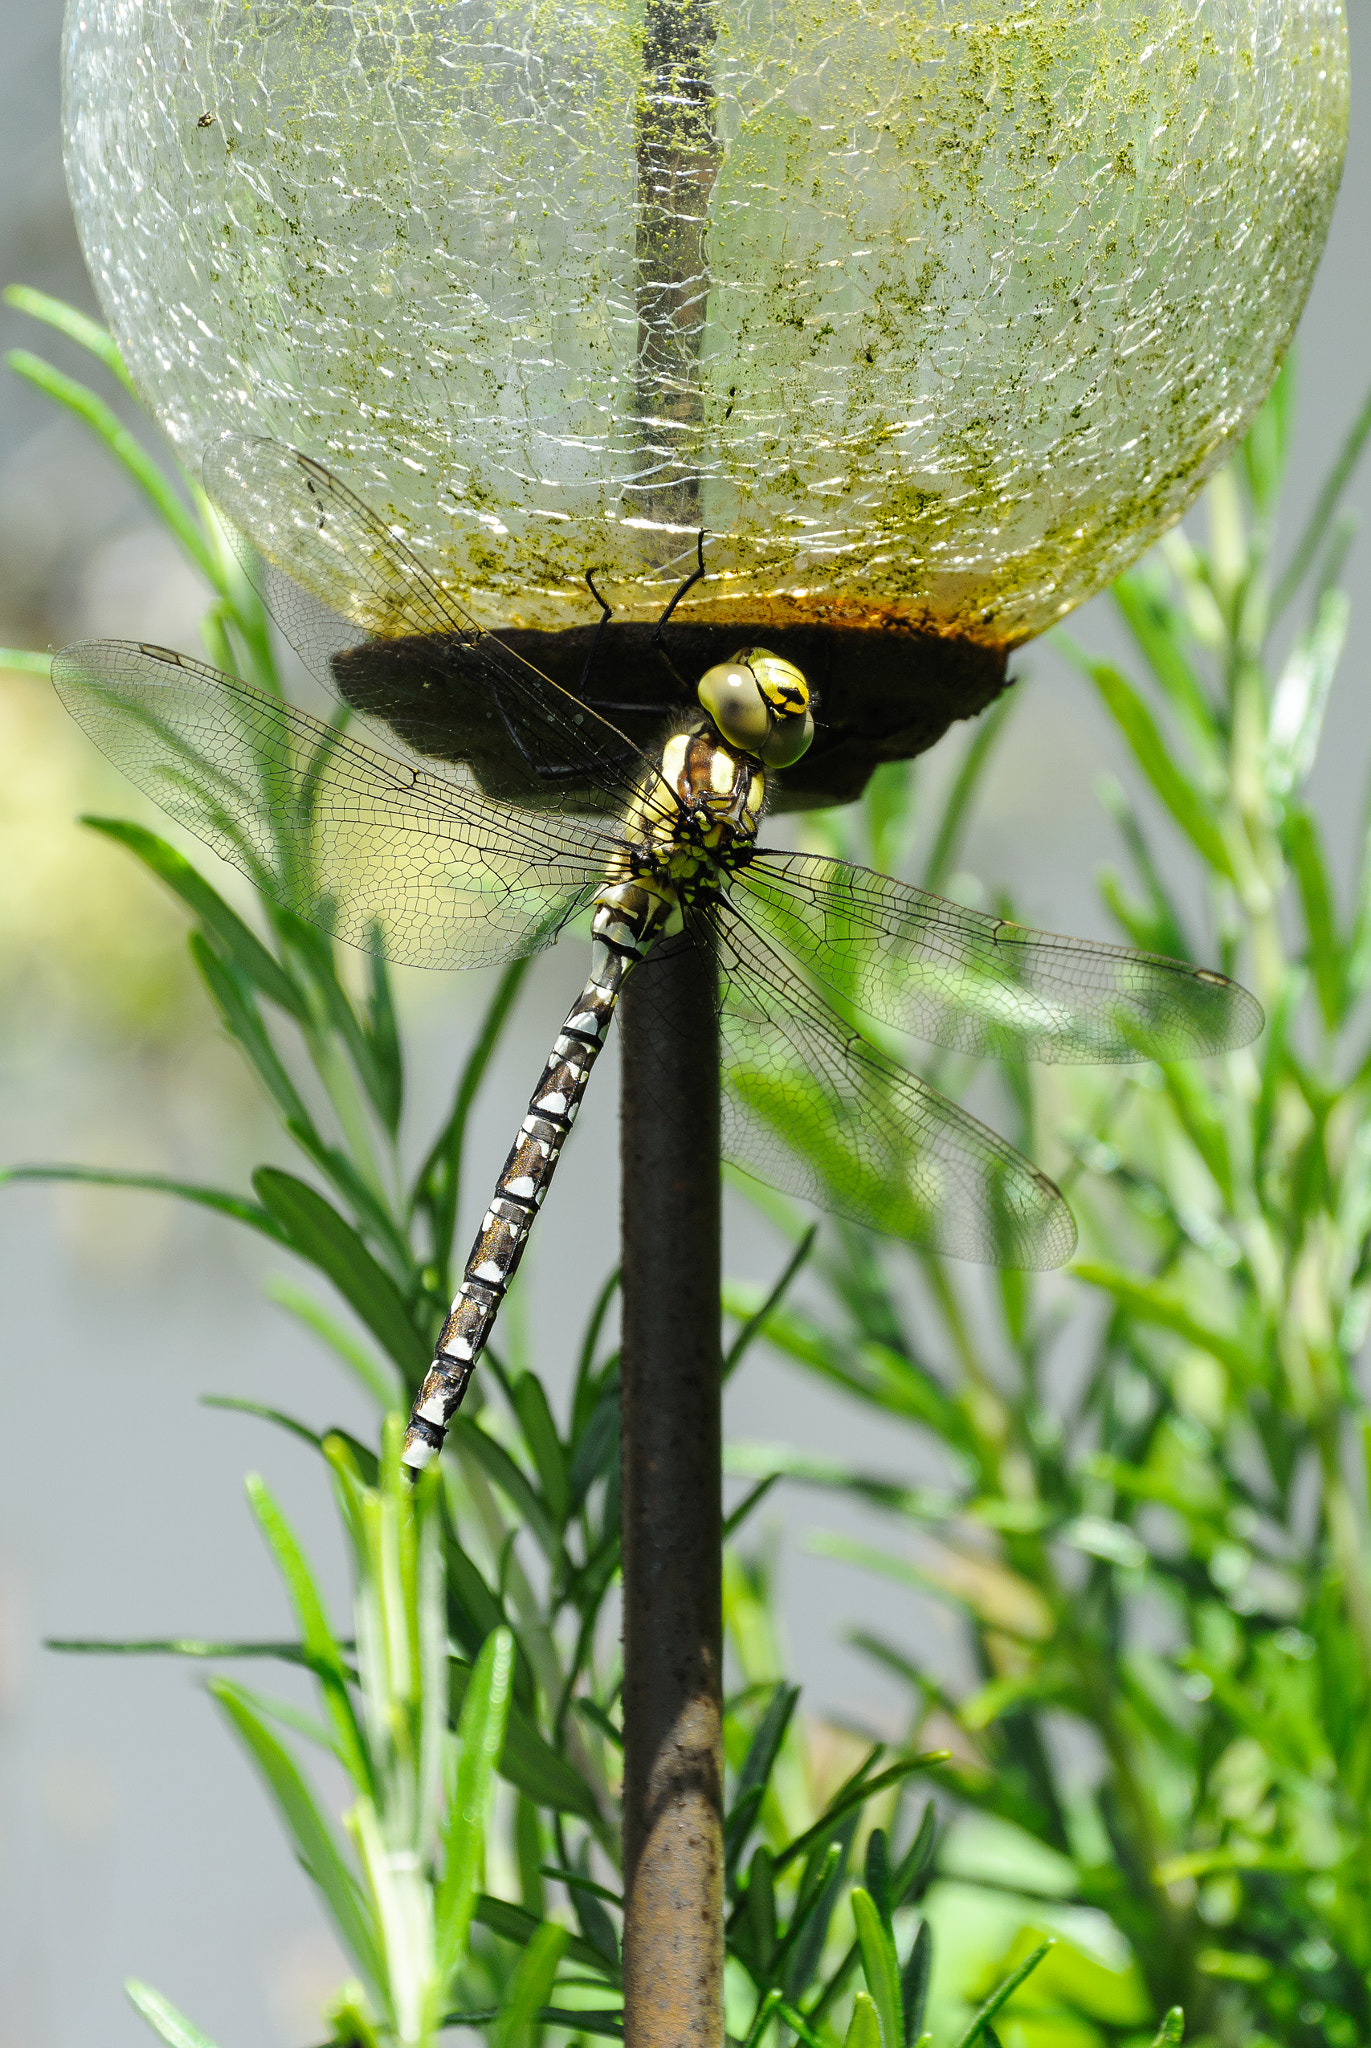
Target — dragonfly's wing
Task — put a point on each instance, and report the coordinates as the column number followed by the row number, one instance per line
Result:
column 815, row 1110
column 979, row 984
column 406, row 652
column 375, row 851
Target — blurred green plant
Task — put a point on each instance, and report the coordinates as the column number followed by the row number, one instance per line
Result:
column 480, row 1639
column 1154, row 1528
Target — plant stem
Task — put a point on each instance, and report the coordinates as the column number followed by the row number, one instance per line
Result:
column 672, row 1507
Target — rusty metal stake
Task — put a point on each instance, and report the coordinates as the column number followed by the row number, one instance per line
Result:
column 672, row 1507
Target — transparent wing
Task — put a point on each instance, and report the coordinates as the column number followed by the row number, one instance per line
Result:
column 818, row 1112
column 375, row 851
column 980, row 985
column 402, row 649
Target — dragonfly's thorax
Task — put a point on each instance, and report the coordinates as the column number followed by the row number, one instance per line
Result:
column 694, row 817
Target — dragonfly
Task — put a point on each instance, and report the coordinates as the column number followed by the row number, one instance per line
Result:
column 503, row 807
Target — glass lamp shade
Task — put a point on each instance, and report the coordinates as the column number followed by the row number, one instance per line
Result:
column 930, row 317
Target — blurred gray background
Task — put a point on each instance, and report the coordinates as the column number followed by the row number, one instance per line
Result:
column 132, row 1838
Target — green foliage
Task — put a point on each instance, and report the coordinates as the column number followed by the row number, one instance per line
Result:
column 1159, row 1553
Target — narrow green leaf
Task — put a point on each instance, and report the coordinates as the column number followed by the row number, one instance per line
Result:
column 314, row 1228
column 917, row 1861
column 755, row 1931
column 879, row 1965
column 238, row 1207
column 544, row 1444
column 1159, row 926
column 175, row 1646
column 1266, row 444
column 607, row 2023
column 1171, row 2032
column 802, row 1950
column 595, row 1444
column 1150, row 1303
column 527, row 1991
column 1326, row 505
column 800, row 2026
column 469, row 1440
column 877, row 1872
column 1191, row 810
column 864, row 2028
column 530, row 1763
column 376, row 1375
column 437, row 1184
column 163, row 2017
column 426, row 1497
column 316, row 1635
column 231, row 993
column 126, row 449
column 755, row 1774
column 1002, row 1995
column 947, row 844
column 752, row 1499
column 25, row 661
column 576, row 1880
column 235, row 938
column 605, row 1723
column 1161, row 634
column 513, row 1924
column 75, row 325
column 761, row 2019
column 318, row 953
column 238, row 1404
column 756, row 1322
column 860, row 1791
column 305, row 1824
column 481, row 1739
column 588, row 1904
column 383, row 1031
column 914, row 1982
column 1325, row 953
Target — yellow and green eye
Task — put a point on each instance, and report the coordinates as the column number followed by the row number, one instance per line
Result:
column 760, row 703
column 730, row 694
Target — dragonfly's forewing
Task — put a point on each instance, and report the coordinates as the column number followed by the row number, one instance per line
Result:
column 980, row 985
column 374, row 850
column 816, row 1111
column 402, row 649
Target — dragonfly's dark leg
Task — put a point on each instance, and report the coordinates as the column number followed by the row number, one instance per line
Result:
column 606, row 613
column 629, row 917
column 692, row 579
column 545, row 771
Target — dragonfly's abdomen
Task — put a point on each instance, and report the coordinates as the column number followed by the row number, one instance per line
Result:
column 628, row 917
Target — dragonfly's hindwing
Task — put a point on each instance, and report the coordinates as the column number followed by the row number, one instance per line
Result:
column 817, row 1111
column 981, row 985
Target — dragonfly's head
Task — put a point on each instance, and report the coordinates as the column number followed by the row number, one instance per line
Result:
column 761, row 705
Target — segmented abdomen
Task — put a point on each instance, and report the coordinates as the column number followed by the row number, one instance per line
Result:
column 628, row 917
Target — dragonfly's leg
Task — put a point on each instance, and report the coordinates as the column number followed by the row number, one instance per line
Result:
column 692, row 579
column 625, row 924
column 606, row 613
column 544, row 770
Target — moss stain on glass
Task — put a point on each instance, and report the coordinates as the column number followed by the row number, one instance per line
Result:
column 988, row 297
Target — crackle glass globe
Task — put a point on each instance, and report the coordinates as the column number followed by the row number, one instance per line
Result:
column 931, row 315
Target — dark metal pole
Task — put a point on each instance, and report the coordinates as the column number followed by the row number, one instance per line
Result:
column 678, row 161
column 672, row 1507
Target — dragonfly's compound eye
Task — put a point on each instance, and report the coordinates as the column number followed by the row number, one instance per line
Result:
column 786, row 696
column 730, row 693
column 790, row 736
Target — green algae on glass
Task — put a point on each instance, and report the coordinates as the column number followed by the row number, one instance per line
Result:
column 987, row 294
